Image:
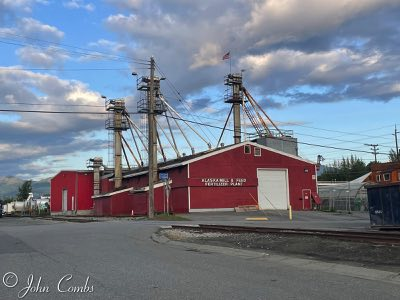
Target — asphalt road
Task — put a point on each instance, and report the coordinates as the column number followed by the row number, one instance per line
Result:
column 119, row 260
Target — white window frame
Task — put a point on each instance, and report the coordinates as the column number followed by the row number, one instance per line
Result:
column 257, row 151
column 378, row 178
column 386, row 176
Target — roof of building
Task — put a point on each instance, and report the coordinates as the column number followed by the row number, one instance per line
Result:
column 385, row 167
column 185, row 160
column 72, row 171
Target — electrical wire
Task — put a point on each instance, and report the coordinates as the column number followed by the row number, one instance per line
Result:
column 189, row 121
column 61, row 45
column 51, row 104
column 54, row 112
column 182, row 100
column 67, row 70
column 197, row 123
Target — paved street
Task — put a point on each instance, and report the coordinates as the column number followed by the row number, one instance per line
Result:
column 117, row 259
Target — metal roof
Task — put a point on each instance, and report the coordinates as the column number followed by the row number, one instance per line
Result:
column 185, row 160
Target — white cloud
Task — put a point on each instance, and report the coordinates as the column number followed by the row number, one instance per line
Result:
column 331, row 66
column 36, row 36
column 29, row 30
column 31, row 139
column 51, row 91
column 80, row 94
column 9, row 9
column 47, row 57
column 79, row 4
column 395, row 87
column 36, row 29
column 108, row 45
column 126, row 4
column 209, row 55
column 15, row 151
column 20, row 4
column 274, row 21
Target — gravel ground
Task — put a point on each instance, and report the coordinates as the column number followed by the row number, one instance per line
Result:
column 376, row 256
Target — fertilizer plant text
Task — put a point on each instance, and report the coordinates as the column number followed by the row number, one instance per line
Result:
column 223, row 181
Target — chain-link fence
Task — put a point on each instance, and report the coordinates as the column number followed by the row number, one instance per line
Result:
column 344, row 196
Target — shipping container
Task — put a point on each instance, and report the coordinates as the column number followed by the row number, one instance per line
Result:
column 384, row 205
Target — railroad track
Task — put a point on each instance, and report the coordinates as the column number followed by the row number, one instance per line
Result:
column 364, row 236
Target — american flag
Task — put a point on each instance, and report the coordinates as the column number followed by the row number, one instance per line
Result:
column 226, row 56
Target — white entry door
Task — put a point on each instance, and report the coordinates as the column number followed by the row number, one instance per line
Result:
column 64, row 200
column 273, row 190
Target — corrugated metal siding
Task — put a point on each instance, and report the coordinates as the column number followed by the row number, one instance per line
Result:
column 237, row 164
column 78, row 184
column 230, row 164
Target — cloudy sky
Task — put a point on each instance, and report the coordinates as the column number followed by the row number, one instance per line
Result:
column 328, row 70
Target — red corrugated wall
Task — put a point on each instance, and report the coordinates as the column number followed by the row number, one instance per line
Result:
column 126, row 203
column 78, row 184
column 122, row 204
column 230, row 164
column 236, row 164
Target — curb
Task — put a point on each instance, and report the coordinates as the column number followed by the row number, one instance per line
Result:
column 315, row 265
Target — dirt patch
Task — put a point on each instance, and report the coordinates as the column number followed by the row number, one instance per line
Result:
column 379, row 256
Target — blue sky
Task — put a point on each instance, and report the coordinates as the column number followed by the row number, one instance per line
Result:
column 328, row 70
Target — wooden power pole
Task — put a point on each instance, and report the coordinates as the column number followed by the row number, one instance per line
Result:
column 395, row 138
column 374, row 148
column 152, row 141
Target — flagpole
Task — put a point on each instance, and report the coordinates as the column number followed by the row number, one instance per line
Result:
column 230, row 63
column 228, row 56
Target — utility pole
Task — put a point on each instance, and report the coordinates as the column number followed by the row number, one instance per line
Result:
column 395, row 138
column 374, row 148
column 152, row 141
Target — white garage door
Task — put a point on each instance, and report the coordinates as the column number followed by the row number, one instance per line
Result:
column 272, row 189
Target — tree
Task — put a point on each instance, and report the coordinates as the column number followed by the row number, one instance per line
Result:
column 6, row 200
column 393, row 156
column 24, row 190
column 345, row 170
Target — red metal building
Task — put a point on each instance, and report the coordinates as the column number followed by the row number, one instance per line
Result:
column 71, row 193
column 219, row 180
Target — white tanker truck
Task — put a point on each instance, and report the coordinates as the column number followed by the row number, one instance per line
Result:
column 27, row 206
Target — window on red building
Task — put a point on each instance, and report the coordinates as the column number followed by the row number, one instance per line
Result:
column 247, row 149
column 378, row 178
column 386, row 177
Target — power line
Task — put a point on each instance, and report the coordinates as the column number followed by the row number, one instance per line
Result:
column 197, row 123
column 329, row 138
column 61, row 45
column 337, row 131
column 374, row 148
column 92, row 54
column 51, row 104
column 62, row 70
column 54, row 112
column 304, row 143
column 182, row 100
column 181, row 119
